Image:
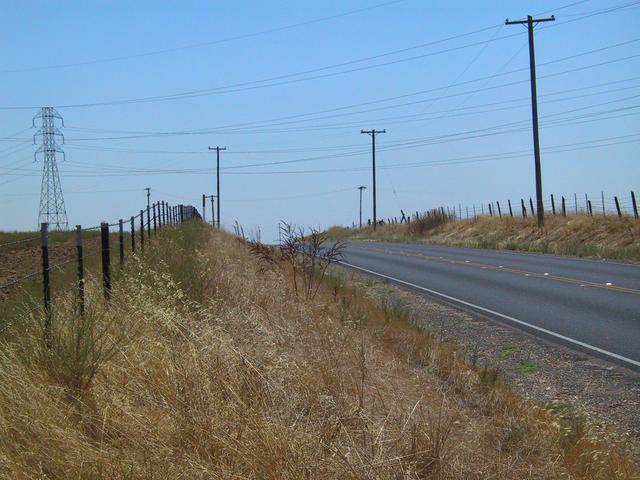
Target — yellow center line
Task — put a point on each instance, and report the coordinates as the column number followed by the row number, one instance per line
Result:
column 525, row 273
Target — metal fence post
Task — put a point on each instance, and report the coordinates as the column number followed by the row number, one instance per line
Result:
column 635, row 205
column 553, row 204
column 510, row 209
column 499, row 209
column 524, row 209
column 44, row 240
column 106, row 259
column 80, row 255
column 564, row 208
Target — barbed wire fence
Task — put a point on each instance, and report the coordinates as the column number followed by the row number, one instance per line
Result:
column 159, row 215
column 588, row 204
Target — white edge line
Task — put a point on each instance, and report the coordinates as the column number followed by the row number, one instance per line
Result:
column 501, row 315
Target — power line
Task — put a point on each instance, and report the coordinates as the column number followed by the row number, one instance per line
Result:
column 245, row 127
column 251, row 86
column 202, row 44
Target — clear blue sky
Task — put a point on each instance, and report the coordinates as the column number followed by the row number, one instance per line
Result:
column 438, row 97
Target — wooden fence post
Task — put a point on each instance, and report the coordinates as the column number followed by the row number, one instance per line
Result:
column 121, row 238
column 80, row 256
column 155, row 226
column 106, row 259
column 149, row 223
column 46, row 286
column 133, row 235
column 141, row 231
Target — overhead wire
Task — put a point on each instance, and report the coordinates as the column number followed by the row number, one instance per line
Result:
column 232, row 89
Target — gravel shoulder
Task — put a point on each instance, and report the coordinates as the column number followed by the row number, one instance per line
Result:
column 536, row 369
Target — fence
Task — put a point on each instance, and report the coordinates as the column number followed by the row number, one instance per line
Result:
column 621, row 206
column 140, row 230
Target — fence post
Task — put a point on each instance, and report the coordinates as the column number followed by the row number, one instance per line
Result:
column 133, row 235
column 106, row 259
column 499, row 209
column 490, row 210
column 589, row 207
column 618, row 206
column 524, row 209
column 531, row 205
column 564, row 208
column 141, row 231
column 121, row 232
column 602, row 196
column 586, row 202
column 181, row 213
column 155, row 226
column 148, row 223
column 80, row 255
column 510, row 210
column 164, row 213
column 575, row 199
column 44, row 240
column 635, row 205
column 553, row 205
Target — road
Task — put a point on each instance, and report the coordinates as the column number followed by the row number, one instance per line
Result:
column 589, row 305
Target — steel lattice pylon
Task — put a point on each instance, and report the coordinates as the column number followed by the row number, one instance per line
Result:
column 52, row 209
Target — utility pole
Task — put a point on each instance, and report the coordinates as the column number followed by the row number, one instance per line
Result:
column 372, row 133
column 217, row 149
column 213, row 215
column 531, row 22
column 361, row 187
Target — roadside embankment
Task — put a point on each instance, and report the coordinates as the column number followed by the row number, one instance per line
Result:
column 218, row 359
column 607, row 237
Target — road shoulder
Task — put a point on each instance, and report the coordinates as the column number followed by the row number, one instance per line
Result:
column 539, row 370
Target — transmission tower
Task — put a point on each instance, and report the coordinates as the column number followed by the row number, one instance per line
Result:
column 52, row 209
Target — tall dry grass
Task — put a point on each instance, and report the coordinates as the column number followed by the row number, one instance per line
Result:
column 577, row 235
column 206, row 364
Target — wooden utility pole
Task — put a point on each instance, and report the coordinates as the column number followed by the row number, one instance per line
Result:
column 217, row 149
column 531, row 22
column 372, row 133
column 361, row 187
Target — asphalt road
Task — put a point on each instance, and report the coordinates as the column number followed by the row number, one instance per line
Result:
column 589, row 305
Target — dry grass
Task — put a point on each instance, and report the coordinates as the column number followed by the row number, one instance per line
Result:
column 578, row 235
column 206, row 364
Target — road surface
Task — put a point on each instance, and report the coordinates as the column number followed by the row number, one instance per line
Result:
column 589, row 305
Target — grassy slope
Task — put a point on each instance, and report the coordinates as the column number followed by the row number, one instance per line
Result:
column 599, row 237
column 206, row 364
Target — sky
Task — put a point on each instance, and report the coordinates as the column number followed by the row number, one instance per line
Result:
column 146, row 87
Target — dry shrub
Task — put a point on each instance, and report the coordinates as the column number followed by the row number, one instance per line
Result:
column 428, row 221
column 244, row 379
